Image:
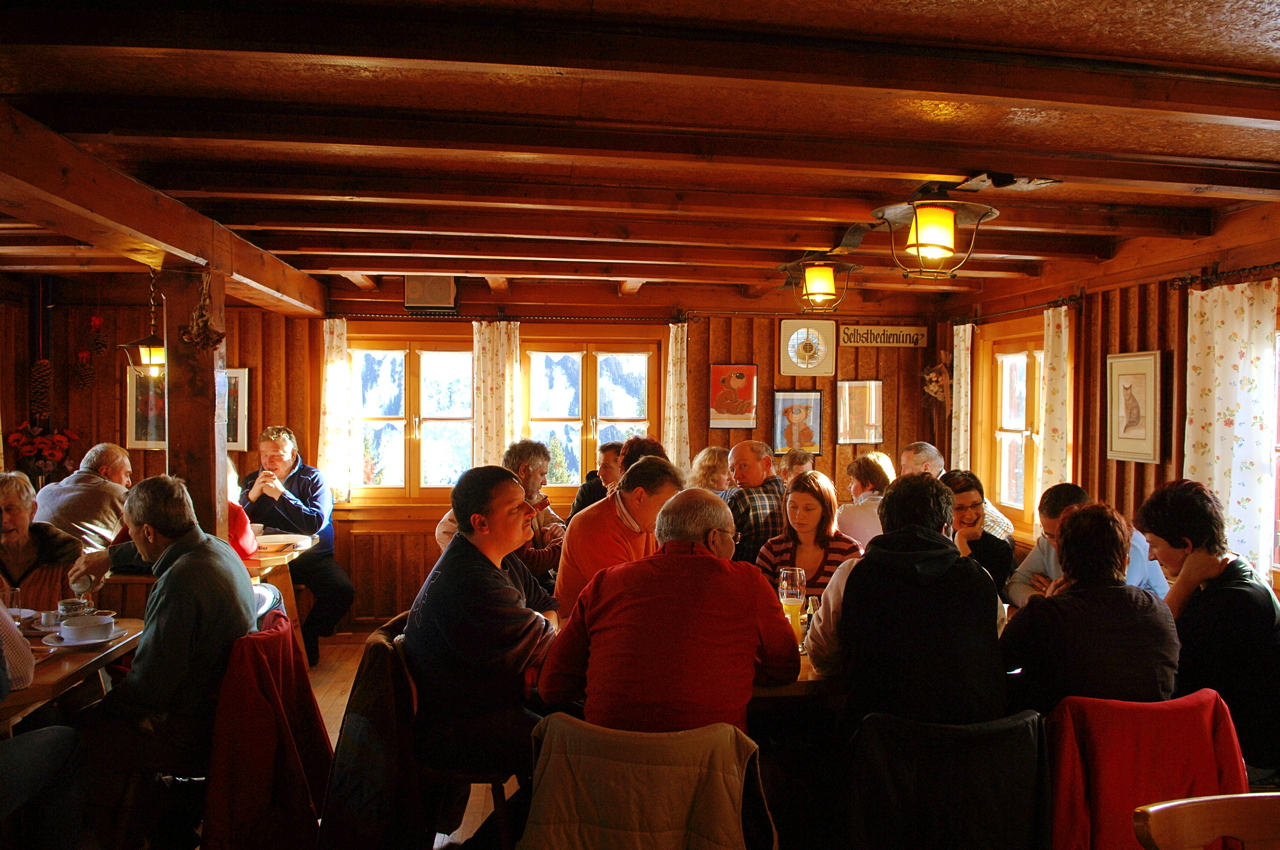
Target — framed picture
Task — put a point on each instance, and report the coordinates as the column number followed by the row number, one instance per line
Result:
column 858, row 417
column 797, row 421
column 144, row 428
column 733, row 396
column 237, row 410
column 1133, row 407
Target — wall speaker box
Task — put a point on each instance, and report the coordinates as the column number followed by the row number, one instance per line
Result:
column 430, row 293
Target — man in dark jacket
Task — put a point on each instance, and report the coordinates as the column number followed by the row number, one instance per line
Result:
column 918, row 625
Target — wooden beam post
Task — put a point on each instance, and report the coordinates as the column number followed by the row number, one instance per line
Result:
column 498, row 284
column 196, row 385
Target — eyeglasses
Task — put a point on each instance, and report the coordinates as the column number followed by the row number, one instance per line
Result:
column 736, row 536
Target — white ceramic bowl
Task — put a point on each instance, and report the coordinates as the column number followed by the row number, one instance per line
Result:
column 94, row 627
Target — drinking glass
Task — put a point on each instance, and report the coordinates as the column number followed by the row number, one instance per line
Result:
column 12, row 598
column 791, row 595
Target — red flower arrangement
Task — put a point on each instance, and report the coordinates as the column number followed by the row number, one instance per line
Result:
column 39, row 452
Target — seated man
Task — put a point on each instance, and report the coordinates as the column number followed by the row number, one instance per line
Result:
column 1090, row 634
column 477, row 625
column 916, row 632
column 160, row 717
column 290, row 496
column 1227, row 617
column 1040, row 568
column 793, row 463
column 89, row 503
column 924, row 457
column 994, row 553
column 601, row 480
column 618, row 529
column 530, row 461
column 673, row 641
column 756, row 501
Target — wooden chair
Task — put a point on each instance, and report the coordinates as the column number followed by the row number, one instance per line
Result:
column 1194, row 822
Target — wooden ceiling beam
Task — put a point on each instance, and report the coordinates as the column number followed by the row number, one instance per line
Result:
column 406, row 41
column 71, row 265
column 362, row 281
column 1177, row 222
column 498, row 284
column 296, row 136
column 49, row 181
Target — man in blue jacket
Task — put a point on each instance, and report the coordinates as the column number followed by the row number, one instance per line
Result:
column 287, row 495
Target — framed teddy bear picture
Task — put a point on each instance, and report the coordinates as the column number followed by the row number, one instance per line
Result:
column 733, row 395
column 797, row 421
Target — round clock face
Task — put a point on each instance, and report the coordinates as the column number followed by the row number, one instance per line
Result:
column 806, row 348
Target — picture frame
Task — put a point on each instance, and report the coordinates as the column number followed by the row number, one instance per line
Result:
column 733, row 395
column 238, row 410
column 1133, row 407
column 145, row 419
column 797, row 421
column 860, row 414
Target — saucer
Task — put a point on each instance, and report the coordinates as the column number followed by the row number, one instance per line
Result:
column 56, row 640
column 22, row 613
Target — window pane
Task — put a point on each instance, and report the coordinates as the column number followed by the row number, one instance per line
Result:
column 1012, row 469
column 620, row 431
column 446, row 384
column 446, row 452
column 380, row 375
column 555, row 385
column 383, row 454
column 564, row 441
column 623, row 385
column 1013, row 392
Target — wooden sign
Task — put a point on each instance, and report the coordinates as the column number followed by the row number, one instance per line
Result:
column 884, row 336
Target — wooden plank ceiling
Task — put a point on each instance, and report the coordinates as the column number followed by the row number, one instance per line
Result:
column 641, row 147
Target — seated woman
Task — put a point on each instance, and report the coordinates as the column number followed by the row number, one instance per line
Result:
column 34, row 556
column 711, row 470
column 1228, row 619
column 869, row 474
column 994, row 553
column 811, row 542
column 1091, row 635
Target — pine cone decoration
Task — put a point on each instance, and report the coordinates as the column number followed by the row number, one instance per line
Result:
column 97, row 337
column 84, row 373
column 41, row 389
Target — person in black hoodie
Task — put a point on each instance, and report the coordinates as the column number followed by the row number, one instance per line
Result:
column 918, row 625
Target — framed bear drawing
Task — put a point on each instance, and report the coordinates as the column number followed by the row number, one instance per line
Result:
column 733, row 395
column 797, row 421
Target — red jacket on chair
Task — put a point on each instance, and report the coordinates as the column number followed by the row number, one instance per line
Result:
column 270, row 759
column 1109, row 757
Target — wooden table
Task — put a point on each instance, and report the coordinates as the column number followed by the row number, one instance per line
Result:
column 273, row 568
column 809, row 683
column 63, row 669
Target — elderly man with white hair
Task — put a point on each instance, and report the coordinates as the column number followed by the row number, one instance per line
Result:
column 676, row 640
column 925, row 457
column 89, row 503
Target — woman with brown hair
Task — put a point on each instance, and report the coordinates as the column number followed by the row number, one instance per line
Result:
column 711, row 470
column 811, row 541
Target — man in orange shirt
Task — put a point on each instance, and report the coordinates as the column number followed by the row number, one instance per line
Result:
column 617, row 529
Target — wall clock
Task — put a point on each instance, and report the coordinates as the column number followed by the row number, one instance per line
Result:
column 808, row 347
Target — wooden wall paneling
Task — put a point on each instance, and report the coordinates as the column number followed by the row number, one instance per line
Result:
column 698, row 386
column 362, row 567
column 249, row 329
column 889, row 372
column 298, row 362
column 763, row 352
column 275, row 410
column 1175, row 313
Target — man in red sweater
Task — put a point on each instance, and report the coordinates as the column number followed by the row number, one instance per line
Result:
column 674, row 641
column 616, row 529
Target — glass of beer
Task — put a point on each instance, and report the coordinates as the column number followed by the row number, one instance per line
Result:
column 791, row 595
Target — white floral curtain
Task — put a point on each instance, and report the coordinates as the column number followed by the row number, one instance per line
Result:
column 495, row 358
column 961, row 395
column 1231, row 409
column 675, row 408
column 336, row 457
column 1055, row 400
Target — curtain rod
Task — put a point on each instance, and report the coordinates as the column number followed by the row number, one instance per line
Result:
column 679, row 317
column 1216, row 278
column 1065, row 301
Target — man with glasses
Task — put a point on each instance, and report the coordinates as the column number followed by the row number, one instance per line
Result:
column 676, row 640
column 1040, row 568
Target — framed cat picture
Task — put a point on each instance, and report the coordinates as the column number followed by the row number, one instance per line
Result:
column 1133, row 407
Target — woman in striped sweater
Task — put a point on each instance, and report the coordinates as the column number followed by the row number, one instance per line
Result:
column 811, row 541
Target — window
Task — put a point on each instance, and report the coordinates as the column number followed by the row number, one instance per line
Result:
column 1006, row 417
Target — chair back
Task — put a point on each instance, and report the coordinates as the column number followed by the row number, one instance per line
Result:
column 270, row 760
column 915, row 784
column 604, row 788
column 1192, row 823
column 266, row 598
column 1110, row 757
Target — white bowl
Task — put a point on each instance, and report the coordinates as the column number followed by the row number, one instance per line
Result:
column 96, row 627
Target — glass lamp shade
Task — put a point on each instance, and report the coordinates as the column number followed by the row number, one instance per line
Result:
column 819, row 284
column 146, row 355
column 933, row 232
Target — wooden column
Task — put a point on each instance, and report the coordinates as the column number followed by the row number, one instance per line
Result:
column 197, row 400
